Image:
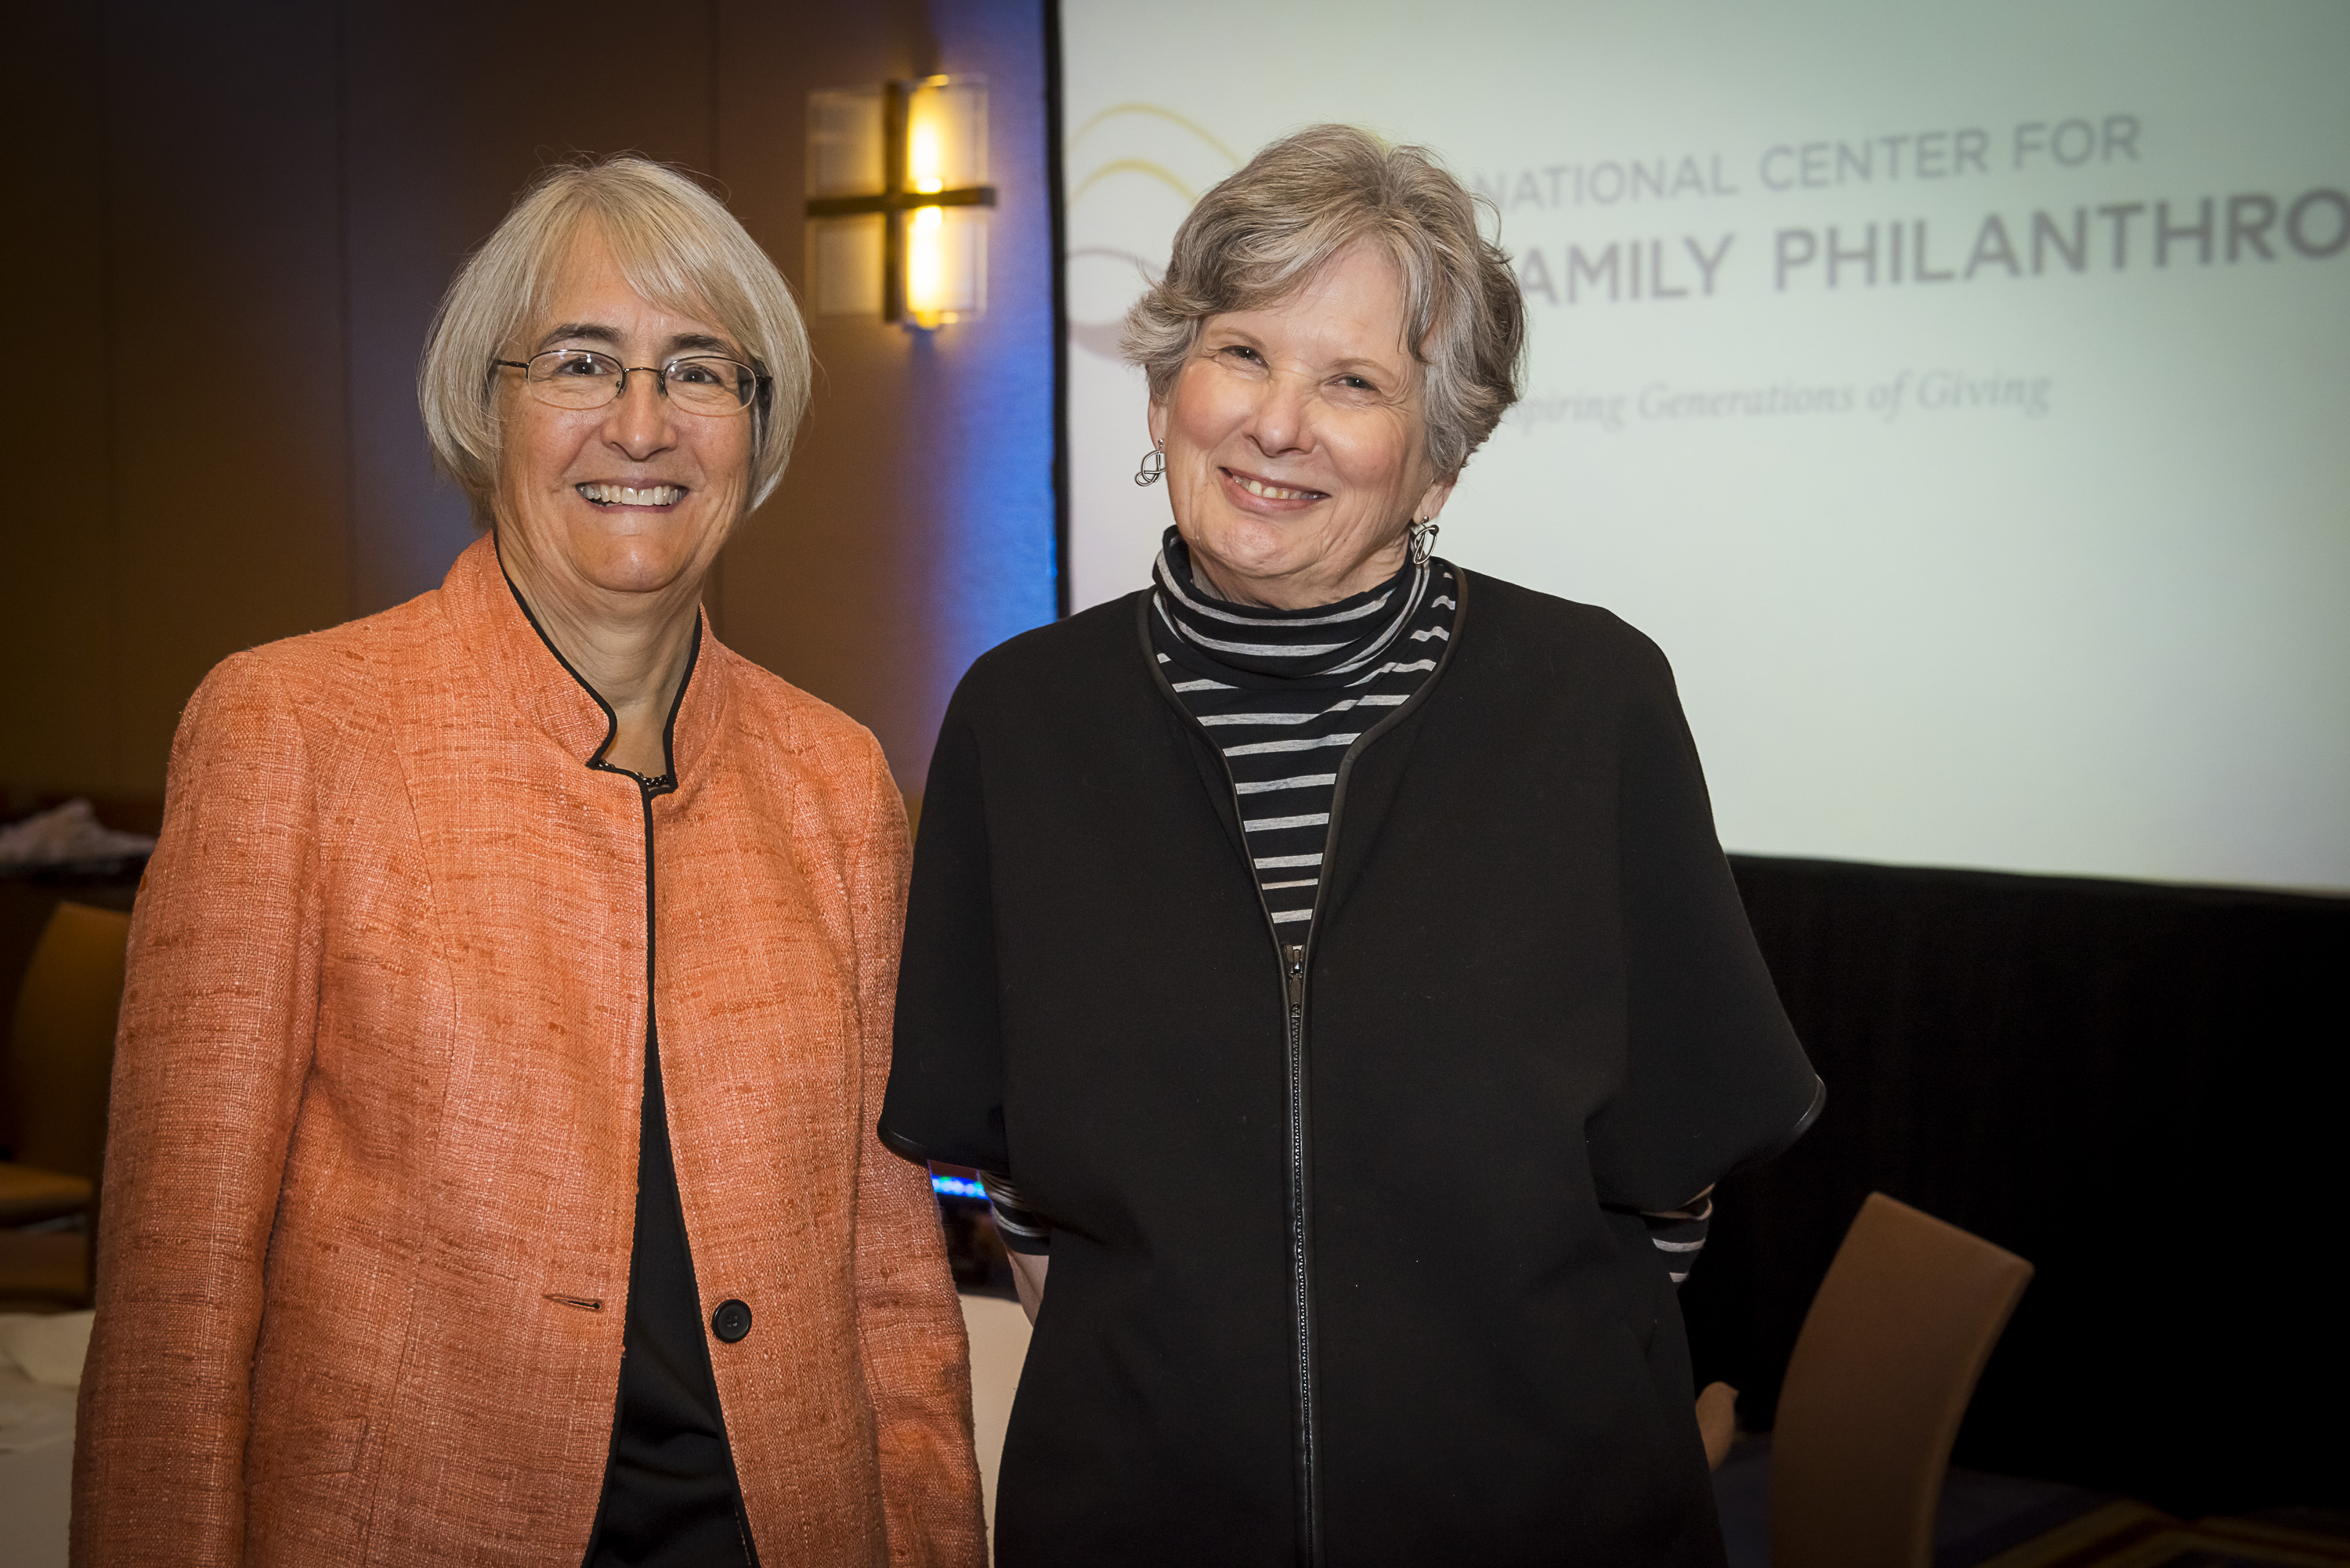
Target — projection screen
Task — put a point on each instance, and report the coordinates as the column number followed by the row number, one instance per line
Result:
column 1960, row 395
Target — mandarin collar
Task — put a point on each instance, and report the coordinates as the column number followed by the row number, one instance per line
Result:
column 506, row 640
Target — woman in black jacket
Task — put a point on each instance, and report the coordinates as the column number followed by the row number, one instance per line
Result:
column 1327, row 956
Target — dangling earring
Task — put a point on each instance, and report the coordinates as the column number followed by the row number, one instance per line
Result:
column 1154, row 464
column 1423, row 541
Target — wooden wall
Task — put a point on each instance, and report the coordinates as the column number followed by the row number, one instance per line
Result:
column 246, row 213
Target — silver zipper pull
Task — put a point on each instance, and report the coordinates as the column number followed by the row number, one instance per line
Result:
column 1296, row 973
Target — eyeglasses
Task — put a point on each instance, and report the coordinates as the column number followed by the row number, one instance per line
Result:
column 582, row 379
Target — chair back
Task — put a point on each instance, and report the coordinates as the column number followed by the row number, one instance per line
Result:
column 61, row 1052
column 1881, row 1374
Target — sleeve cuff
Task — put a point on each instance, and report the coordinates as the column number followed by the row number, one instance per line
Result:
column 1793, row 1135
column 902, row 1146
column 1021, row 1228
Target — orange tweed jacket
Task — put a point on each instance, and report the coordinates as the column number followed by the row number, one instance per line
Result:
column 370, row 1183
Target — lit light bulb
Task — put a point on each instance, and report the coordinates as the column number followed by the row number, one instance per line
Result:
column 923, row 172
column 926, row 264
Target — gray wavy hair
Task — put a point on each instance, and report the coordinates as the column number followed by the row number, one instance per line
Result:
column 1267, row 228
column 675, row 243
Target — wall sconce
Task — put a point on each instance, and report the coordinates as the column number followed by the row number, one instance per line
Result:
column 897, row 200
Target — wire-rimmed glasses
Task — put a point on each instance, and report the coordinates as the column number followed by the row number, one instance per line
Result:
column 582, row 379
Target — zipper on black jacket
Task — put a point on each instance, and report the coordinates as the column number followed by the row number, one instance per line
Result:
column 1294, row 959
column 1300, row 1262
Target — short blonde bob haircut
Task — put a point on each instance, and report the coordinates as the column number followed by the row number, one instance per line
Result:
column 675, row 243
column 1263, row 233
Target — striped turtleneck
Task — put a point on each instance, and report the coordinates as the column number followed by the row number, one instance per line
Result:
column 1283, row 694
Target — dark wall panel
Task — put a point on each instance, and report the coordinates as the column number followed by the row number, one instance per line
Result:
column 229, row 419
column 57, row 550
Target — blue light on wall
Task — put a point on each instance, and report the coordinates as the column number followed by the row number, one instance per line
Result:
column 999, row 573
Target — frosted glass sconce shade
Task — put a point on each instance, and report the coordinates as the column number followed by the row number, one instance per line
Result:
column 897, row 200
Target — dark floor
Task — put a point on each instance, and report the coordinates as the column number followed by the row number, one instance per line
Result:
column 1980, row 1517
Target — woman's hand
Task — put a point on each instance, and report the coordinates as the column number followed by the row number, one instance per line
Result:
column 1028, row 1279
column 1717, row 1420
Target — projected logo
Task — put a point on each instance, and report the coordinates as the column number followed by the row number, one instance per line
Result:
column 2028, row 203
column 2110, row 231
column 1133, row 171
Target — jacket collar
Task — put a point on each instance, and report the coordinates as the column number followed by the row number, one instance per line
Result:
column 505, row 641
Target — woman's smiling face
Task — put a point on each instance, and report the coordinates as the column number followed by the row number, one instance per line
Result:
column 1296, row 441
column 634, row 496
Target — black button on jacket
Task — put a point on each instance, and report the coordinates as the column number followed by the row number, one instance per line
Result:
column 1345, row 1271
column 731, row 1322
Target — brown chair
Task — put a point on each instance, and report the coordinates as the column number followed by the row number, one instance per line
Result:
column 44, row 1270
column 1881, row 1374
column 60, row 1059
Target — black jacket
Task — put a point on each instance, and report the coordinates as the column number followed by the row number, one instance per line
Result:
column 1344, row 1273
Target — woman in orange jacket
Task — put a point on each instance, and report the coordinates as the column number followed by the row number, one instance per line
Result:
column 491, row 1177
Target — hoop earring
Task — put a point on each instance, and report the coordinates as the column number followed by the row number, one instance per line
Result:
column 1423, row 541
column 1153, row 464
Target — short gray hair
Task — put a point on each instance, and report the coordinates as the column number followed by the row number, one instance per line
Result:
column 677, row 246
column 1264, row 231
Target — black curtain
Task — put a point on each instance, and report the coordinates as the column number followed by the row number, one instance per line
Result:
column 2138, row 1088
